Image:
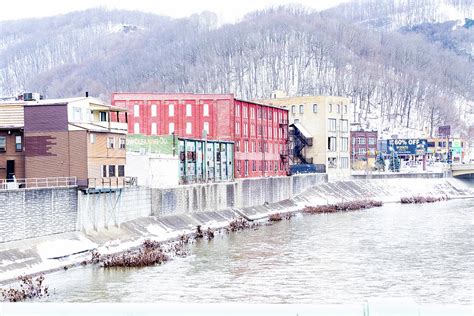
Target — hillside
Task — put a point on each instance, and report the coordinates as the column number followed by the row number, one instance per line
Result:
column 395, row 79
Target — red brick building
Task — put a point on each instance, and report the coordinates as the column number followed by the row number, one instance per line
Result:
column 260, row 132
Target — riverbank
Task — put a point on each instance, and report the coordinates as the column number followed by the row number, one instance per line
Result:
column 55, row 252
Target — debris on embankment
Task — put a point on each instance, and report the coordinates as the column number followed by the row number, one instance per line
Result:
column 342, row 207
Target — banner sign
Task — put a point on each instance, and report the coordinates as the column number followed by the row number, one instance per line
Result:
column 407, row 146
column 444, row 131
column 150, row 144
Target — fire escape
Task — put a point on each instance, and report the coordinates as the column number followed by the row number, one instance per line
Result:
column 299, row 142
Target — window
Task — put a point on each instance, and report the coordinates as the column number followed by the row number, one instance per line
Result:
column 18, row 144
column 253, row 147
column 332, row 162
column 121, row 171
column 296, row 121
column 332, row 143
column 110, row 142
column 104, row 171
column 330, row 107
column 361, row 140
column 92, row 138
column 136, row 128
column 246, row 168
column 362, row 151
column 254, row 165
column 238, row 166
column 353, row 140
column 153, row 129
column 189, row 109
column 237, row 146
column 245, row 113
column 136, row 110
column 345, row 108
column 153, row 110
column 252, row 113
column 315, row 108
column 371, row 141
column 205, row 110
column 170, row 109
column 332, row 125
column 301, row 108
column 293, row 109
column 246, row 146
column 103, row 116
column 344, row 143
column 338, row 108
column 170, row 128
column 246, row 128
column 344, row 125
column 122, row 143
column 270, row 115
column 344, row 162
column 237, row 110
column 3, row 143
column 206, row 127
column 112, row 171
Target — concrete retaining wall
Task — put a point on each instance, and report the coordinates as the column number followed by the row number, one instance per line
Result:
column 107, row 209
column 37, row 212
column 397, row 175
column 238, row 194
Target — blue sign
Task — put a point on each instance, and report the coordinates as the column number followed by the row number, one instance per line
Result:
column 407, row 146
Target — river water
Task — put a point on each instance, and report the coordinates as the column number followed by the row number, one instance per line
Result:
column 424, row 252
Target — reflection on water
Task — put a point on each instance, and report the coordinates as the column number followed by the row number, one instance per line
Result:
column 419, row 251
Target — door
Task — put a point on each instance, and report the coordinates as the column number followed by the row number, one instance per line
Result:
column 10, row 169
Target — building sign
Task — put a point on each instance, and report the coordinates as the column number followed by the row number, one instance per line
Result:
column 444, row 131
column 407, row 146
column 150, row 144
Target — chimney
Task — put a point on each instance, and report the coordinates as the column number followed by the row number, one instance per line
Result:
column 87, row 94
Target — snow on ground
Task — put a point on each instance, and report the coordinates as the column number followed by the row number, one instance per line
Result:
column 64, row 247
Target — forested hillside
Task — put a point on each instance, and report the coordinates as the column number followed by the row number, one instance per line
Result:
column 395, row 78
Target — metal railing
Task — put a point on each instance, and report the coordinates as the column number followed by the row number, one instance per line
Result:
column 111, row 182
column 36, row 183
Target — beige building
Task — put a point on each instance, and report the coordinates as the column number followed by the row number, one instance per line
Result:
column 325, row 122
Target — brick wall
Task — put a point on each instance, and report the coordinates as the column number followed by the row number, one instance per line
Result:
column 39, row 212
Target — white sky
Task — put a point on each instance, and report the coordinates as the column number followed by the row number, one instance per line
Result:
column 227, row 10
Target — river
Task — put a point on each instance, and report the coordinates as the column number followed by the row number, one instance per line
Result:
column 424, row 252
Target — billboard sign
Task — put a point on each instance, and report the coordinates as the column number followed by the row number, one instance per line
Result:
column 407, row 146
column 150, row 144
column 444, row 131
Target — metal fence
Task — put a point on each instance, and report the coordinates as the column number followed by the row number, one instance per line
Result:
column 111, row 182
column 36, row 183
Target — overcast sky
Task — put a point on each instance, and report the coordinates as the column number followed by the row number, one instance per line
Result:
column 228, row 11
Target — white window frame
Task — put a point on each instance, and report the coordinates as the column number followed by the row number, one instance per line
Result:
column 205, row 110
column 189, row 109
column 170, row 109
column 344, row 125
column 332, row 125
column 154, row 128
column 189, row 128
column 136, row 128
column 110, row 142
column 301, row 108
column 206, row 127
column 153, row 110
column 315, row 108
column 122, row 142
column 344, row 144
column 171, row 128
column 136, row 110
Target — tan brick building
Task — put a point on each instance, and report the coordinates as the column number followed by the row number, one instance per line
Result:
column 326, row 121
